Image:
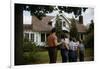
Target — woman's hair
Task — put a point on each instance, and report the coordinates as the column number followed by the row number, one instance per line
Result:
column 71, row 39
column 74, row 40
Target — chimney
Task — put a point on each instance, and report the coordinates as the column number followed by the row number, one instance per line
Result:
column 81, row 19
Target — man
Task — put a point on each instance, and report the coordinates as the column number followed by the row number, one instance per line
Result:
column 52, row 46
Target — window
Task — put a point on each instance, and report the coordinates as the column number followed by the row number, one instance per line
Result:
column 27, row 35
column 81, row 36
column 32, row 37
column 50, row 23
column 42, row 37
column 64, row 24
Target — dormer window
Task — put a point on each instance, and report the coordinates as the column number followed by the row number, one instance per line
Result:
column 50, row 23
column 64, row 23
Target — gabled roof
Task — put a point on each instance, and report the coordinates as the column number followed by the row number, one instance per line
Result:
column 80, row 28
column 41, row 25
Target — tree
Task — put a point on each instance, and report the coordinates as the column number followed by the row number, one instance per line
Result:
column 39, row 10
column 76, row 10
column 73, row 30
column 89, row 41
column 91, row 27
column 58, row 27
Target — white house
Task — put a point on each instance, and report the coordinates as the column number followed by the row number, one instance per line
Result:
column 37, row 31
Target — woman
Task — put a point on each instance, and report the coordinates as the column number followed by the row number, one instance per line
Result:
column 52, row 46
column 64, row 48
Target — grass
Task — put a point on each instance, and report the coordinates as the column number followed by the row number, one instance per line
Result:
column 89, row 54
column 43, row 57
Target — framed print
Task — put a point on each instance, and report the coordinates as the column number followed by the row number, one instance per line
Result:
column 51, row 34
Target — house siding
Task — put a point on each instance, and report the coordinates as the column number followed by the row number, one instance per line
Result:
column 37, row 37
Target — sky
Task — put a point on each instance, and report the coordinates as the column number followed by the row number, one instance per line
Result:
column 88, row 15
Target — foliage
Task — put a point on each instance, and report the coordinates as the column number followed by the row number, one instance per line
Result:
column 73, row 30
column 91, row 27
column 76, row 10
column 30, row 57
column 89, row 41
column 58, row 27
column 28, row 46
column 30, row 51
column 39, row 10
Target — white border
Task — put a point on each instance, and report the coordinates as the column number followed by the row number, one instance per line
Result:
column 78, row 3
column 12, row 35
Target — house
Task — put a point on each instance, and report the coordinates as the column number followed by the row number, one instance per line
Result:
column 38, row 31
column 81, row 29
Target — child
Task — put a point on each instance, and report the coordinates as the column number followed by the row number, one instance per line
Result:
column 73, row 46
column 81, row 51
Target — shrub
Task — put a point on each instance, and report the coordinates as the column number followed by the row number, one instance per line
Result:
column 89, row 41
column 30, row 51
column 28, row 46
column 30, row 57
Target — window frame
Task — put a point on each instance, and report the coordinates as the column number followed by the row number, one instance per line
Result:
column 26, row 36
column 32, row 37
column 43, row 39
column 64, row 24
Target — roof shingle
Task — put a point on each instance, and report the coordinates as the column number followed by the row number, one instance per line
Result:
column 80, row 28
column 41, row 25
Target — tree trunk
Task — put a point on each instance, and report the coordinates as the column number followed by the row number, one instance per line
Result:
column 18, row 34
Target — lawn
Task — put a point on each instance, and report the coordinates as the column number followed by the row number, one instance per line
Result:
column 42, row 57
